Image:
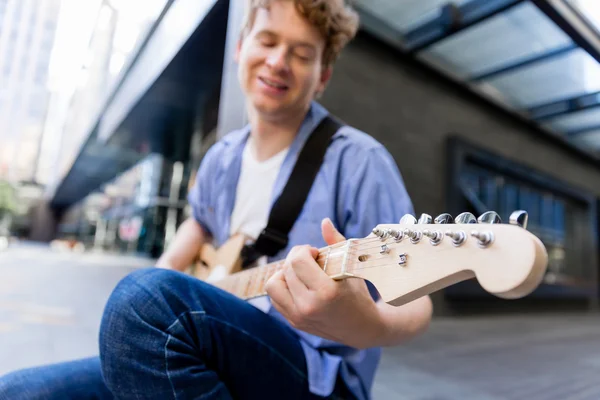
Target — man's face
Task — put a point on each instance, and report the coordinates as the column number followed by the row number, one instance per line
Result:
column 280, row 61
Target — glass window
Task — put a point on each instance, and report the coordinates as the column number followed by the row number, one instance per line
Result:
column 588, row 140
column 405, row 15
column 571, row 74
column 575, row 121
column 589, row 10
column 521, row 32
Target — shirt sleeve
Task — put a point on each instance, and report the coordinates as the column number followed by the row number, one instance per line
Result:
column 200, row 194
column 372, row 192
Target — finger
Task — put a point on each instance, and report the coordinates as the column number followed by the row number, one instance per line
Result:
column 297, row 288
column 302, row 261
column 278, row 291
column 330, row 234
column 290, row 316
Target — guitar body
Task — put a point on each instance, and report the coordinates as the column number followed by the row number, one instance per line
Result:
column 214, row 264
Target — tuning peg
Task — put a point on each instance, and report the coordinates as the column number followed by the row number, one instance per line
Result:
column 435, row 237
column 483, row 238
column 466, row 218
column 396, row 234
column 458, row 238
column 378, row 232
column 415, row 236
column 489, row 217
column 519, row 218
column 425, row 219
column 444, row 218
column 408, row 219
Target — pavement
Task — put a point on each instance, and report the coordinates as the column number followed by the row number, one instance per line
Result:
column 51, row 302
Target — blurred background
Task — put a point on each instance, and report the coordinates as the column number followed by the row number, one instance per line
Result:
column 108, row 106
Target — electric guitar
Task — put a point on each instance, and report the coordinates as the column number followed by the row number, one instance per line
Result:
column 413, row 258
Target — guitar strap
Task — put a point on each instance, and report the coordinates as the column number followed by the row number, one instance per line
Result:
column 288, row 206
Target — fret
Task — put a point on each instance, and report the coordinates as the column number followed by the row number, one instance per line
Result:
column 236, row 279
column 265, row 277
column 253, row 284
column 247, row 286
column 256, row 281
column 326, row 258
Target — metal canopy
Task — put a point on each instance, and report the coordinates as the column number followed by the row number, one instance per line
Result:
column 149, row 112
column 537, row 58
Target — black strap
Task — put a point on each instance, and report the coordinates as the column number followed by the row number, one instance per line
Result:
column 288, row 206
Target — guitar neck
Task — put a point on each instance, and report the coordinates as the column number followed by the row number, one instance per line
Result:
column 251, row 282
column 405, row 262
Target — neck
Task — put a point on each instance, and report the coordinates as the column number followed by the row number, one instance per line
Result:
column 272, row 135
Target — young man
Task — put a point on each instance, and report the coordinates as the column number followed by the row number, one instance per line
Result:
column 166, row 335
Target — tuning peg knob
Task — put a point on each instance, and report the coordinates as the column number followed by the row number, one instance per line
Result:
column 425, row 219
column 444, row 218
column 519, row 218
column 489, row 217
column 408, row 219
column 466, row 218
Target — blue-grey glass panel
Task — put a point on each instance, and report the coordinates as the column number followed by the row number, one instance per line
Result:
column 521, row 32
column 589, row 140
column 589, row 10
column 568, row 75
column 404, row 14
column 575, row 121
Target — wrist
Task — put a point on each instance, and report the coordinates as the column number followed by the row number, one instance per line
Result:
column 400, row 324
column 384, row 327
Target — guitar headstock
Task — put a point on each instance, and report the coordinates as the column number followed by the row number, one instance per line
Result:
column 413, row 258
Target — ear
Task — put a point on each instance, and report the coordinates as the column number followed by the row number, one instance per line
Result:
column 325, row 77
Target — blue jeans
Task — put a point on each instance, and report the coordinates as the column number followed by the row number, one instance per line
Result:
column 166, row 335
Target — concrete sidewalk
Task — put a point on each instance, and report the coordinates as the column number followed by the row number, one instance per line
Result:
column 50, row 307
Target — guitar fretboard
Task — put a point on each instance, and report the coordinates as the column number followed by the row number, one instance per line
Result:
column 251, row 282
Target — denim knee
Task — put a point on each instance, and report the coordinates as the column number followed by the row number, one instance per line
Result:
column 136, row 313
column 141, row 295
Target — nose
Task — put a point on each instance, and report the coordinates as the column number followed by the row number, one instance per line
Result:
column 277, row 60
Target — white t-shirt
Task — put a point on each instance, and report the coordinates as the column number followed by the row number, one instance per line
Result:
column 253, row 198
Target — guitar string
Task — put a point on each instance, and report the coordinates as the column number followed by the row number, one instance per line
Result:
column 378, row 258
column 260, row 290
column 353, row 250
column 350, row 270
column 254, row 275
column 326, row 252
column 358, row 246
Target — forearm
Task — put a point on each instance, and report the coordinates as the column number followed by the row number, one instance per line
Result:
column 185, row 246
column 405, row 322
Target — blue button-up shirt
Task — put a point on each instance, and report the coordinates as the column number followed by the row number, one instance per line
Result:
column 357, row 187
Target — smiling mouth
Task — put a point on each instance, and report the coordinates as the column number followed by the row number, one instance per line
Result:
column 273, row 84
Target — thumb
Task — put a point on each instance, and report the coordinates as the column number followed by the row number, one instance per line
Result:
column 330, row 233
